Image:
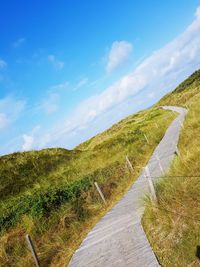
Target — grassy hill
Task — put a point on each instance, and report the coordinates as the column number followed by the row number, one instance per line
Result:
column 50, row 194
column 173, row 225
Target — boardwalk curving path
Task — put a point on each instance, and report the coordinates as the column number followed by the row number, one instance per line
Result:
column 118, row 239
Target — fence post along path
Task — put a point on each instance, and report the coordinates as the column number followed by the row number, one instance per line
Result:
column 129, row 163
column 100, row 192
column 32, row 249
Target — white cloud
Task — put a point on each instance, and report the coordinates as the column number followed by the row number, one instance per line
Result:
column 50, row 105
column 19, row 42
column 197, row 13
column 118, row 53
column 10, row 110
column 27, row 142
column 151, row 94
column 55, row 62
column 3, row 121
column 60, row 87
column 81, row 83
column 29, row 139
column 3, row 64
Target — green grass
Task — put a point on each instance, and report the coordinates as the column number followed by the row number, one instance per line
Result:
column 184, row 93
column 172, row 226
column 50, row 194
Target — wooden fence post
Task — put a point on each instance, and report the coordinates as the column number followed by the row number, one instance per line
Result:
column 177, row 151
column 32, row 249
column 129, row 163
column 100, row 192
column 181, row 124
column 151, row 185
column 146, row 138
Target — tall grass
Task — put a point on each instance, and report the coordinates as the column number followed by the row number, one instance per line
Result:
column 173, row 225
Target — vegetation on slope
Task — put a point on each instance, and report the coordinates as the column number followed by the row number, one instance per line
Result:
column 172, row 226
column 183, row 94
column 50, row 194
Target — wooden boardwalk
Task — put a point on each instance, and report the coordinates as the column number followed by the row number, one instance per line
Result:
column 118, row 239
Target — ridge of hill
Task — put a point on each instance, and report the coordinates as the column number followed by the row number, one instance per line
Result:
column 184, row 93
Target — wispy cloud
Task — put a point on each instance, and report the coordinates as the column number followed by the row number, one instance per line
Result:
column 19, row 42
column 58, row 64
column 50, row 105
column 3, row 121
column 118, row 53
column 51, row 101
column 29, row 139
column 27, row 142
column 3, row 64
column 81, row 83
column 60, row 87
column 197, row 13
column 10, row 110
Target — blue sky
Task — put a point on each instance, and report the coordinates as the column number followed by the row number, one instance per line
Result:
column 70, row 69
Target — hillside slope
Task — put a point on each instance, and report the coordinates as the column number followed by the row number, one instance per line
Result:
column 50, row 194
column 173, row 225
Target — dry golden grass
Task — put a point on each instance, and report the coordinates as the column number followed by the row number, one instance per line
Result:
column 173, row 225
